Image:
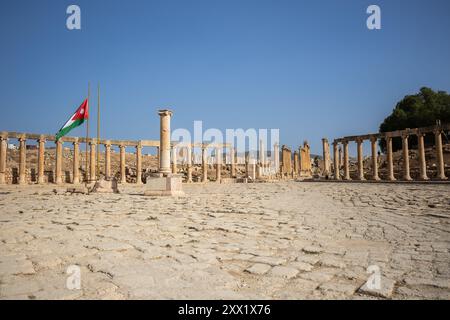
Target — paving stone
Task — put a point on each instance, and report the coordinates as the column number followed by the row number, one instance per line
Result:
column 385, row 291
column 284, row 272
column 258, row 269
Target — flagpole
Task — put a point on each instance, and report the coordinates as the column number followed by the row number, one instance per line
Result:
column 98, row 130
column 87, row 134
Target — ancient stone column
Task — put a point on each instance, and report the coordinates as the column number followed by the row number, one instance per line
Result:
column 139, row 163
column 41, row 157
column 174, row 160
column 189, row 164
column 346, row 162
column 326, row 157
column 359, row 143
column 296, row 163
column 276, row 151
column 233, row 162
column 390, row 159
column 373, row 141
column 3, row 151
column 123, row 177
column 218, row 165
column 164, row 141
column 92, row 174
column 204, row 164
column 22, row 160
column 108, row 159
column 76, row 162
column 406, row 175
column 422, row 161
column 58, row 166
column 247, row 166
column 337, row 175
column 439, row 155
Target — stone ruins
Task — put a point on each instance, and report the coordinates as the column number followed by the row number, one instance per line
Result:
column 293, row 165
column 341, row 168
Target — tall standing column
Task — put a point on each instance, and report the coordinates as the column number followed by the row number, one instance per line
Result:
column 440, row 155
column 58, row 167
column 390, row 159
column 164, row 141
column 204, row 165
column 76, row 162
column 326, row 157
column 92, row 174
column 22, row 160
column 337, row 175
column 107, row 159
column 189, row 163
column 359, row 143
column 139, row 163
column 174, row 160
column 123, row 177
column 233, row 162
column 3, row 150
column 373, row 141
column 276, row 151
column 406, row 174
column 218, row 165
column 41, row 157
column 346, row 162
column 422, row 160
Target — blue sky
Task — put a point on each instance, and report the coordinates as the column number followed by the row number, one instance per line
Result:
column 310, row 68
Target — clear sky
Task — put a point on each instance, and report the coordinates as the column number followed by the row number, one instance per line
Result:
column 310, row 68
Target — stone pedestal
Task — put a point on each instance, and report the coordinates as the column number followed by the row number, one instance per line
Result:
column 105, row 186
column 170, row 185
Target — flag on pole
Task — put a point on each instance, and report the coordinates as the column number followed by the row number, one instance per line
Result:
column 75, row 120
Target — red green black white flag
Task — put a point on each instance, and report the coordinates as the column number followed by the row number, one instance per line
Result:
column 75, row 120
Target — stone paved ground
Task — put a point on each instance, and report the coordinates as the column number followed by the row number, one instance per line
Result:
column 285, row 240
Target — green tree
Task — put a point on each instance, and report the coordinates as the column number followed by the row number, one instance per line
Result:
column 414, row 111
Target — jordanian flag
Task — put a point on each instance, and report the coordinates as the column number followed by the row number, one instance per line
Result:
column 75, row 120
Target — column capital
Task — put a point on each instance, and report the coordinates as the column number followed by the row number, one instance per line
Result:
column 107, row 143
column 165, row 112
column 41, row 138
column 93, row 141
column 325, row 140
column 22, row 138
column 121, row 146
column 359, row 140
column 4, row 135
column 76, row 141
column 405, row 134
column 373, row 139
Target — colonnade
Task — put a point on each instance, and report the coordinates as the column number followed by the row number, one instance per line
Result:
column 420, row 133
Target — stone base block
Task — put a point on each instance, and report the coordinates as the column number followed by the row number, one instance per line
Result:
column 105, row 186
column 164, row 186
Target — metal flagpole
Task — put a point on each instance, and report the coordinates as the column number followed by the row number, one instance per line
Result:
column 98, row 131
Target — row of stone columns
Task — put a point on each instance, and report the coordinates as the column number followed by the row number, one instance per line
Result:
column 59, row 158
column 389, row 155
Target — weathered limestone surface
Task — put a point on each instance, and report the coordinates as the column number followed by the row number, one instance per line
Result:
column 286, row 240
